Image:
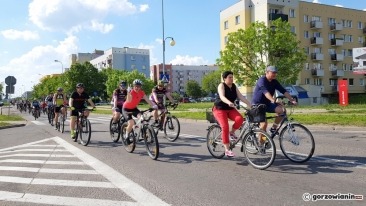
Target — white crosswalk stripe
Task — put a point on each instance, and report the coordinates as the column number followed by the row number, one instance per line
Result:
column 47, row 152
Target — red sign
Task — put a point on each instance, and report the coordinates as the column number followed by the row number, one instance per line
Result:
column 343, row 92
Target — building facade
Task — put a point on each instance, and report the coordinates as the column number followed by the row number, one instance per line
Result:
column 85, row 57
column 327, row 33
column 179, row 75
column 124, row 59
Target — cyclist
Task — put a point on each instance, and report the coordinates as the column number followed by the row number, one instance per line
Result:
column 119, row 97
column 157, row 97
column 77, row 102
column 224, row 109
column 36, row 106
column 59, row 99
column 49, row 101
column 263, row 94
column 129, row 108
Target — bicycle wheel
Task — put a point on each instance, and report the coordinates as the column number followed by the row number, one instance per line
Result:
column 85, row 132
column 129, row 143
column 151, row 142
column 259, row 156
column 77, row 131
column 297, row 143
column 171, row 128
column 114, row 132
column 214, row 141
column 62, row 123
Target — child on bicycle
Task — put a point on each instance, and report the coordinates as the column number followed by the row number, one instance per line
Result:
column 129, row 108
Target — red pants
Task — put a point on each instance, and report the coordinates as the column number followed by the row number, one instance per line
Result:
column 223, row 116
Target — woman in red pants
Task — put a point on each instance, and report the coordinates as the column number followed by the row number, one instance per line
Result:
column 224, row 109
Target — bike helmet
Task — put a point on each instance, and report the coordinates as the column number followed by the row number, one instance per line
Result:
column 160, row 83
column 78, row 85
column 123, row 83
column 60, row 89
column 137, row 82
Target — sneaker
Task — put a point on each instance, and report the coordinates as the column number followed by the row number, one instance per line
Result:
column 229, row 153
column 127, row 138
column 73, row 134
column 273, row 130
column 56, row 128
column 233, row 136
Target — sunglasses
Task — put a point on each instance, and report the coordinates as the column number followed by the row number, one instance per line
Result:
column 122, row 85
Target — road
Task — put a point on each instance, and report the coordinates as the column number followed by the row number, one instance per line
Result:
column 39, row 165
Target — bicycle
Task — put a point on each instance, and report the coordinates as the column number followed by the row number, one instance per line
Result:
column 170, row 123
column 296, row 141
column 142, row 130
column 51, row 114
column 60, row 125
column 116, row 132
column 83, row 127
column 255, row 153
column 35, row 113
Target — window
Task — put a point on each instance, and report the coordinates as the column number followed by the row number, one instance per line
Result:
column 143, row 67
column 344, row 67
column 332, row 67
column 349, row 52
column 307, row 50
column 307, row 80
column 307, row 66
column 237, row 20
column 360, row 39
column 349, row 23
column 317, row 50
column 344, row 23
column 331, row 36
column 316, row 18
column 331, row 21
column 226, row 25
column 306, row 34
column 292, row 13
column 293, row 29
column 359, row 25
column 225, row 39
column 316, row 34
column 274, row 11
column 362, row 82
column 332, row 82
column 350, row 82
column 133, row 58
column 318, row 81
column 306, row 18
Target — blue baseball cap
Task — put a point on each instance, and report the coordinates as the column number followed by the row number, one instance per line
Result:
column 271, row 69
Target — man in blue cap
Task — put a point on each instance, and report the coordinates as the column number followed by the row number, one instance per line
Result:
column 264, row 94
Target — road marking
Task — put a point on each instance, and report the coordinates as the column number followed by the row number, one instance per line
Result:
column 36, row 155
column 43, row 162
column 59, row 200
column 33, row 150
column 45, row 170
column 38, row 123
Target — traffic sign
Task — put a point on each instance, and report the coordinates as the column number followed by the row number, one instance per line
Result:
column 10, row 80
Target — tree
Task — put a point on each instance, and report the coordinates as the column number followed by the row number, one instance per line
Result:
column 193, row 89
column 249, row 51
column 211, row 81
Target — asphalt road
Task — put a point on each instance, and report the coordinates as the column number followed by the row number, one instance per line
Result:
column 41, row 165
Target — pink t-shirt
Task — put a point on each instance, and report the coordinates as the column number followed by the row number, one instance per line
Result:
column 136, row 98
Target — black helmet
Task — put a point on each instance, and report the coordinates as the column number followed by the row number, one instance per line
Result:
column 78, row 85
column 123, row 82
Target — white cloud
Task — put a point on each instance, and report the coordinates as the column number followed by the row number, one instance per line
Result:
column 188, row 60
column 316, row 1
column 74, row 15
column 16, row 34
column 338, row 5
column 39, row 60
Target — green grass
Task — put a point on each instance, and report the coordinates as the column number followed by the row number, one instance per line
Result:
column 10, row 118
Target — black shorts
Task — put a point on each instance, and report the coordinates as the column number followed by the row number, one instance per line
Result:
column 119, row 109
column 76, row 111
column 58, row 108
column 127, row 113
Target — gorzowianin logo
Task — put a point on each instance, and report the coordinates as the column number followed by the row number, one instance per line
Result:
column 339, row 196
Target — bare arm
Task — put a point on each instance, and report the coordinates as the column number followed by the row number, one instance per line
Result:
column 71, row 100
column 54, row 99
column 91, row 102
column 242, row 98
column 169, row 97
column 269, row 96
column 148, row 101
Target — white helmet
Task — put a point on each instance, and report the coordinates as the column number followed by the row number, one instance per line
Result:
column 137, row 82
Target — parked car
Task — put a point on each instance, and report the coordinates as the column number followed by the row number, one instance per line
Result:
column 192, row 100
column 1, row 104
column 184, row 100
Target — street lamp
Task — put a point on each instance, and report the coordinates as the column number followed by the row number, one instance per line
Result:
column 61, row 65
column 172, row 42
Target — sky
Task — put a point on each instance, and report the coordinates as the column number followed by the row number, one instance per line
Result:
column 34, row 33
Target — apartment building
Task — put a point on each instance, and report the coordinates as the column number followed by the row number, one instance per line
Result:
column 124, row 59
column 327, row 33
column 179, row 75
column 85, row 57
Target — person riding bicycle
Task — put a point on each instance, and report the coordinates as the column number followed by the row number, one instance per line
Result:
column 119, row 97
column 36, row 106
column 59, row 99
column 49, row 102
column 263, row 94
column 134, row 96
column 77, row 103
column 224, row 109
column 157, row 97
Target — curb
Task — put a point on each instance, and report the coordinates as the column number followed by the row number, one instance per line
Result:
column 12, row 126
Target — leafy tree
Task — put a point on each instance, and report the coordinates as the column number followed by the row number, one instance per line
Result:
column 249, row 51
column 175, row 95
column 193, row 89
column 211, row 81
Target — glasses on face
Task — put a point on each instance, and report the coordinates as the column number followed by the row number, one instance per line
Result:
column 122, row 85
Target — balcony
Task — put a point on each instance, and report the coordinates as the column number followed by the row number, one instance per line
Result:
column 336, row 27
column 334, row 88
column 336, row 57
column 317, row 56
column 316, row 40
column 317, row 72
column 364, row 30
column 273, row 16
column 338, row 72
column 336, row 42
column 316, row 25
